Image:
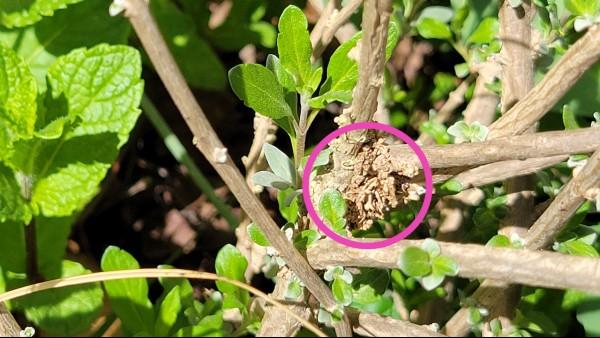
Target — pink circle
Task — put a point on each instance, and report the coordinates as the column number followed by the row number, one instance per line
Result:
column 358, row 244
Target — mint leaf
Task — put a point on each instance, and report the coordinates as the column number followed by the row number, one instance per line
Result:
column 200, row 65
column 12, row 205
column 18, row 95
column 39, row 45
column 24, row 13
column 65, row 311
column 430, row 28
column 259, row 89
column 293, row 44
column 12, row 247
column 332, row 208
column 128, row 297
column 414, row 262
column 167, row 313
column 102, row 86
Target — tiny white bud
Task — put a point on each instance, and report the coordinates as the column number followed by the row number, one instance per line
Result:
column 116, row 7
column 220, row 155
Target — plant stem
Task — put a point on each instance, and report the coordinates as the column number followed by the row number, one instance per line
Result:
column 32, row 269
column 178, row 151
column 301, row 136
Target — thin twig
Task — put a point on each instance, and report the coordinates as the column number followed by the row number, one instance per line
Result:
column 329, row 23
column 545, row 144
column 373, row 325
column 576, row 61
column 149, row 273
column 483, row 104
column 208, row 142
column 535, row 268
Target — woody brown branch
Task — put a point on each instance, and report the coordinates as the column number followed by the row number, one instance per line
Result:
column 208, row 142
column 545, row 144
column 8, row 325
column 528, row 267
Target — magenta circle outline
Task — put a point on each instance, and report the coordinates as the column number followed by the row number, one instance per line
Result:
column 357, row 244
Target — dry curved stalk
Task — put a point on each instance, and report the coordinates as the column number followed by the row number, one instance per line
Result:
column 329, row 23
column 149, row 273
column 545, row 144
column 208, row 142
column 535, row 268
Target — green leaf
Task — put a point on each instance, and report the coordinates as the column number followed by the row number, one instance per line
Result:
column 306, row 238
column 12, row 247
column 65, row 311
column 569, row 119
column 24, row 13
column 285, row 79
column 200, row 65
column 588, row 313
column 439, row 13
column 288, row 204
column 582, row 7
column 314, row 81
column 293, row 45
column 167, row 313
column 268, row 179
column 18, row 95
column 69, row 190
column 432, row 247
column 486, row 32
column 259, row 89
column 186, row 291
column 52, row 236
column 499, row 241
column 102, row 86
column 280, row 163
column 578, row 248
column 414, row 262
column 39, row 45
column 209, row 326
column 332, row 208
column 12, row 205
column 444, row 266
column 432, row 281
column 342, row 291
column 294, row 289
column 256, row 235
column 450, row 187
column 433, row 29
column 232, row 264
column 128, row 297
column 435, row 130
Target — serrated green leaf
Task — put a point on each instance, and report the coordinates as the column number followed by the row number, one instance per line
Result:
column 18, row 95
column 24, row 13
column 486, row 32
column 332, row 208
column 65, row 311
column 128, row 297
column 414, row 262
column 102, row 86
column 280, row 163
column 12, row 205
column 40, row 44
column 232, row 264
column 68, row 190
column 256, row 235
column 293, row 45
column 259, row 89
column 200, row 65
column 342, row 291
column 167, row 313
column 433, row 29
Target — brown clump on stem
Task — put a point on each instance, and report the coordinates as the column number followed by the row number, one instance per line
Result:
column 375, row 188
